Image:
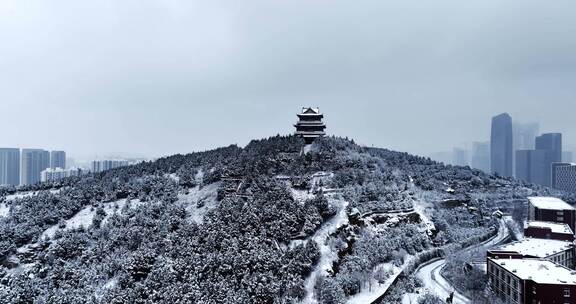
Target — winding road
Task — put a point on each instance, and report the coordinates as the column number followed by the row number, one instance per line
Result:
column 430, row 275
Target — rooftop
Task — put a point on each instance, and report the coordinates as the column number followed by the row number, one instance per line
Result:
column 310, row 110
column 52, row 170
column 537, row 270
column 540, row 248
column 555, row 227
column 551, row 203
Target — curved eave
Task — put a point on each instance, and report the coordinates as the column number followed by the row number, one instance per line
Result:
column 320, row 116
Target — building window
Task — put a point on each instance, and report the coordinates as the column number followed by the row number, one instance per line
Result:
column 560, row 219
column 566, row 292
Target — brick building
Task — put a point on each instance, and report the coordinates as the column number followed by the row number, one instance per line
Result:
column 559, row 252
column 548, row 230
column 531, row 281
column 551, row 209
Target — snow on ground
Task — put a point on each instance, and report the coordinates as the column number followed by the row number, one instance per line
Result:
column 207, row 195
column 392, row 221
column 412, row 298
column 81, row 219
column 84, row 217
column 4, row 210
column 319, row 178
column 327, row 255
column 18, row 195
column 199, row 176
column 435, row 282
column 316, row 180
column 111, row 284
column 369, row 295
column 301, row 196
column 172, row 176
column 421, row 207
column 515, row 228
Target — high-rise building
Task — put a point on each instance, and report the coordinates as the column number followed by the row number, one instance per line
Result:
column 33, row 162
column 525, row 135
column 50, row 174
column 501, row 145
column 59, row 173
column 564, row 176
column 551, row 142
column 103, row 165
column 310, row 125
column 524, row 165
column 481, row 156
column 9, row 166
column 460, row 157
column 58, row 159
column 541, row 167
column 548, row 151
column 534, row 166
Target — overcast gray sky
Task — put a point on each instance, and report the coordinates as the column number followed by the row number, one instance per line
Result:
column 160, row 77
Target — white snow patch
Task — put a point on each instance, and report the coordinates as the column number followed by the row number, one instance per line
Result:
column 85, row 216
column 4, row 210
column 207, row 194
column 20, row 269
column 172, row 176
column 516, row 230
column 410, row 298
column 301, row 196
column 111, row 283
column 369, row 295
column 420, row 208
column 199, row 176
column 24, row 194
column 327, row 255
column 320, row 178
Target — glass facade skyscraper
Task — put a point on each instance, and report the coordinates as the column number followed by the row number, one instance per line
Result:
column 33, row 162
column 58, row 159
column 501, row 145
column 9, row 166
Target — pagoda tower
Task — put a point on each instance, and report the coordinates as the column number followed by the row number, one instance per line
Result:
column 310, row 125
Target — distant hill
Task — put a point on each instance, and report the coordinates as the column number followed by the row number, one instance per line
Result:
column 259, row 224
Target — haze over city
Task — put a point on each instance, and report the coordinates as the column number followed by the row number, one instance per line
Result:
column 156, row 78
column 287, row 151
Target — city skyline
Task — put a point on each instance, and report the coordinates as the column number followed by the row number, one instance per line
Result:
column 20, row 167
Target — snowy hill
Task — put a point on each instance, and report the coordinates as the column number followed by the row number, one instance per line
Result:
column 260, row 224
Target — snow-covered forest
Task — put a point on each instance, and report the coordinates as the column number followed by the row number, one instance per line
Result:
column 260, row 224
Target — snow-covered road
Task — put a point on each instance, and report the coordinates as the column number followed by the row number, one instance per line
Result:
column 430, row 275
column 435, row 282
column 327, row 255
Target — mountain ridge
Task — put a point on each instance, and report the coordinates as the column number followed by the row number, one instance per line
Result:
column 242, row 225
